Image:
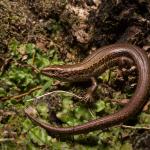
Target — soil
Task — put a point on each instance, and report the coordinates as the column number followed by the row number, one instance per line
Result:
column 78, row 25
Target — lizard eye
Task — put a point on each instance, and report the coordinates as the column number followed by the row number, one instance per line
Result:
column 53, row 71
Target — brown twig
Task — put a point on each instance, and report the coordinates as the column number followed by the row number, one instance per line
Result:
column 21, row 95
column 134, row 127
column 5, row 64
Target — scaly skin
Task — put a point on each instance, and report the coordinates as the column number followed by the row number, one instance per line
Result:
column 93, row 66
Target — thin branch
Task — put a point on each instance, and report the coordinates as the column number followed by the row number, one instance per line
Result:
column 134, row 127
column 6, row 139
column 22, row 95
column 57, row 91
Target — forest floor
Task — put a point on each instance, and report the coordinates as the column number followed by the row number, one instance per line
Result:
column 46, row 32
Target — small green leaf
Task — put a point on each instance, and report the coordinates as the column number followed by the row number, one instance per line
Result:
column 126, row 146
column 67, row 103
column 27, row 124
column 144, row 118
column 82, row 113
column 43, row 110
column 48, row 84
column 2, row 92
column 100, row 106
column 30, row 48
column 105, row 76
column 66, row 116
column 39, row 136
column 40, row 61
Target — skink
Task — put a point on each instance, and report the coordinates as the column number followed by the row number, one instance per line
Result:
column 93, row 66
